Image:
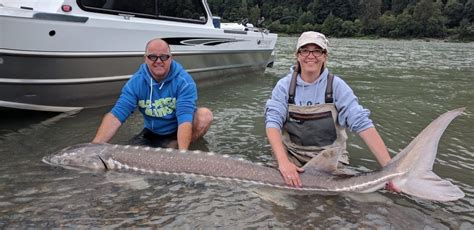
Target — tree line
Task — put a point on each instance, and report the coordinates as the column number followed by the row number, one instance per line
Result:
column 451, row 19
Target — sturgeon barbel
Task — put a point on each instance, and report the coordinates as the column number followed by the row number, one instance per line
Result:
column 410, row 170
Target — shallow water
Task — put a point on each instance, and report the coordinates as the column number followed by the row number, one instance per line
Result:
column 406, row 84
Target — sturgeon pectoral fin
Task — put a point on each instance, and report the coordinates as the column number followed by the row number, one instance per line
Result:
column 326, row 161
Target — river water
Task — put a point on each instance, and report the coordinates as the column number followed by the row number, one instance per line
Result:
column 405, row 84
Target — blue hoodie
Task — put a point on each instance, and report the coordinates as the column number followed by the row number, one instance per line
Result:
column 164, row 105
column 351, row 114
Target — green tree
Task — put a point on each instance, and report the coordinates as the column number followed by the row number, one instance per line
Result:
column 469, row 11
column 386, row 5
column 306, row 18
column 388, row 24
column 254, row 14
column 332, row 26
column 453, row 10
column 231, row 12
column 244, row 10
column 275, row 26
column 276, row 13
column 404, row 26
column 466, row 30
column 398, row 6
column 349, row 29
column 344, row 9
column 311, row 27
column 217, row 7
column 369, row 15
column 428, row 19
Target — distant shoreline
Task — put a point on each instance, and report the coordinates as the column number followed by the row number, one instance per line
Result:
column 394, row 39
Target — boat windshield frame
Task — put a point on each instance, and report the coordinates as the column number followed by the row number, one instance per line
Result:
column 198, row 7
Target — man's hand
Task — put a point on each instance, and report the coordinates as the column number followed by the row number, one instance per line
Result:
column 185, row 132
column 107, row 129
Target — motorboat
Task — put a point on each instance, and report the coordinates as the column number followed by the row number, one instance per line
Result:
column 63, row 55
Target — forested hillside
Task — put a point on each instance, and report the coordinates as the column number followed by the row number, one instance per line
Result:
column 348, row 18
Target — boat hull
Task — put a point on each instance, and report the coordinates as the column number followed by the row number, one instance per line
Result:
column 60, row 82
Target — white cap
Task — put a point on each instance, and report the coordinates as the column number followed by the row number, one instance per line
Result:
column 311, row 37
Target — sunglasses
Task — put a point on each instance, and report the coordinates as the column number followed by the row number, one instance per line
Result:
column 154, row 57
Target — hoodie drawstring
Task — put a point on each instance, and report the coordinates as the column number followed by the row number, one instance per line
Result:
column 151, row 91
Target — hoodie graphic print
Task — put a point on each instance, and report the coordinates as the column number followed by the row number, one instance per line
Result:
column 164, row 105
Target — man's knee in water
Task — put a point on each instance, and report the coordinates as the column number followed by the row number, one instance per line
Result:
column 202, row 121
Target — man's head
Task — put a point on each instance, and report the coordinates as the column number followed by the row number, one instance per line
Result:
column 158, row 58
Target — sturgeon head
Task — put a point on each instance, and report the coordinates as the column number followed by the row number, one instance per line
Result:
column 86, row 155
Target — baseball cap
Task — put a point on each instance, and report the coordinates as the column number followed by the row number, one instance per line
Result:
column 311, row 37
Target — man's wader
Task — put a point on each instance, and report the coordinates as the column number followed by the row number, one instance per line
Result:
column 310, row 130
column 148, row 138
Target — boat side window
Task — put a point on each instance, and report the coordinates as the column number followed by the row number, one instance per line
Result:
column 175, row 10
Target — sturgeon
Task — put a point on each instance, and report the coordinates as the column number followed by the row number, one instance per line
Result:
column 410, row 170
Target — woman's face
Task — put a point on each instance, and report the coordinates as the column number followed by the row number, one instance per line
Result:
column 311, row 58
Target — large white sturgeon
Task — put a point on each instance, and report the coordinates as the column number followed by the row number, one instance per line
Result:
column 410, row 170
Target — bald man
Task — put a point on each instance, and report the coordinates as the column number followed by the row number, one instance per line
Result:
column 166, row 96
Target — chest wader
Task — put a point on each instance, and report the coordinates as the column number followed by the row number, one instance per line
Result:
column 312, row 130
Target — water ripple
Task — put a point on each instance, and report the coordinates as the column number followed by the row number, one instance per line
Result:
column 405, row 84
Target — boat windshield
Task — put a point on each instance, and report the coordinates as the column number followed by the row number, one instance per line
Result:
column 177, row 10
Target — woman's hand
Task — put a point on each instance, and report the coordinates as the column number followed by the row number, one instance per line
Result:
column 290, row 174
column 390, row 186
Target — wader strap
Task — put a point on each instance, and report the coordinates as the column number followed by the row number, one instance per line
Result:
column 292, row 89
column 291, row 94
column 329, row 97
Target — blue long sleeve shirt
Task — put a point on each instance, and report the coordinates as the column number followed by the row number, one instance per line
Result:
column 351, row 114
column 164, row 105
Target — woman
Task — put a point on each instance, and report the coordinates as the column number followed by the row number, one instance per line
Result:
column 310, row 109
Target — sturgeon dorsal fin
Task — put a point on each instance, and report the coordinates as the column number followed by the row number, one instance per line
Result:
column 326, row 161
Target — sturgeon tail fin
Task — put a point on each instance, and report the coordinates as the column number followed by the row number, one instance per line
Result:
column 430, row 186
column 417, row 161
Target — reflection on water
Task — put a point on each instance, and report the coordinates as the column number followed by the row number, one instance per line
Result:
column 406, row 84
column 12, row 120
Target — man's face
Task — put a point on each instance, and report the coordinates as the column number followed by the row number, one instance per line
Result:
column 158, row 59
